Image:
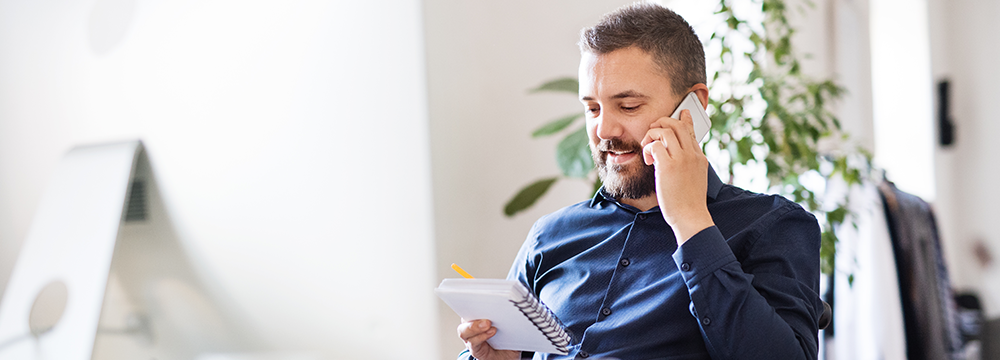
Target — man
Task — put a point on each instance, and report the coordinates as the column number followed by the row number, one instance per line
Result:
column 665, row 262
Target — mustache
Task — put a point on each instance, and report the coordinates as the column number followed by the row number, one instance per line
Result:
column 618, row 145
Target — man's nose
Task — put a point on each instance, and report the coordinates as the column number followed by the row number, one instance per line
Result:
column 608, row 127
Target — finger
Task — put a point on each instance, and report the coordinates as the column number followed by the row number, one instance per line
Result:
column 687, row 121
column 479, row 347
column 654, row 152
column 653, row 134
column 666, row 119
column 666, row 135
column 478, row 341
column 684, row 124
column 473, row 328
column 662, row 122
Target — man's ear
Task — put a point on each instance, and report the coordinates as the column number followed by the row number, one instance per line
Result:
column 701, row 91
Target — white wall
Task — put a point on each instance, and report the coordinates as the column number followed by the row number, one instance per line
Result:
column 290, row 140
column 851, row 52
column 482, row 57
column 902, row 92
column 964, row 49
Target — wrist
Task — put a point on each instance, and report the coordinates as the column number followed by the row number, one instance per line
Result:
column 687, row 228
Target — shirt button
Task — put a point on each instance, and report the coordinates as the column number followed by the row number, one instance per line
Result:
column 642, row 216
column 706, row 321
column 685, row 267
column 606, row 311
column 584, row 354
column 624, row 262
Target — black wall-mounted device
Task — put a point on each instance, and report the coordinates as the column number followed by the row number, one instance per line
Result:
column 946, row 128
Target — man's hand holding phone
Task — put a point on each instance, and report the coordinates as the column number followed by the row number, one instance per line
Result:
column 681, row 174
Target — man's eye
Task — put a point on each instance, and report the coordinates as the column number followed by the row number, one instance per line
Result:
column 593, row 110
column 630, row 108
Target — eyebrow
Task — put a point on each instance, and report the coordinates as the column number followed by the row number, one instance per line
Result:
column 621, row 95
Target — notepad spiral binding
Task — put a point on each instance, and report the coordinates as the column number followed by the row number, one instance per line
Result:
column 544, row 320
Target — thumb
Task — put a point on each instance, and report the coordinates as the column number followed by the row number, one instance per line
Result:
column 654, row 152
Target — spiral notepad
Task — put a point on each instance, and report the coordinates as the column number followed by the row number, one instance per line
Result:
column 522, row 322
column 544, row 320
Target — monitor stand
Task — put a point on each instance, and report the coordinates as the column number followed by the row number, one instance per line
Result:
column 102, row 274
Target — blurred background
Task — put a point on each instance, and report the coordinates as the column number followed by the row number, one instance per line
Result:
column 324, row 162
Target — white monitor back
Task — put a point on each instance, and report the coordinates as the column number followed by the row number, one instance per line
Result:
column 129, row 292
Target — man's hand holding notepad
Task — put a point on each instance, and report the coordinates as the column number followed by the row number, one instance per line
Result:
column 522, row 322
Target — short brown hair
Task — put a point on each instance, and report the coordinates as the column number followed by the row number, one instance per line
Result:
column 659, row 32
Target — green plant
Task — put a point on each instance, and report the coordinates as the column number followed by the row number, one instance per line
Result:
column 764, row 110
column 572, row 153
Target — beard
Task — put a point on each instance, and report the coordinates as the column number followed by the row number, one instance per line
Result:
column 632, row 181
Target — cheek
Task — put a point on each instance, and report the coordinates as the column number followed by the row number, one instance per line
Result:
column 592, row 132
column 637, row 130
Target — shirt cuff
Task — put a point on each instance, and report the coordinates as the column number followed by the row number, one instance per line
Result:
column 703, row 254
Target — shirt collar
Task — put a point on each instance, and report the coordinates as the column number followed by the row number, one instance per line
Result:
column 714, row 185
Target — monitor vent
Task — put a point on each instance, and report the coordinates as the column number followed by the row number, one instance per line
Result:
column 137, row 204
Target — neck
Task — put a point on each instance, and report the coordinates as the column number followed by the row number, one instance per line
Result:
column 644, row 203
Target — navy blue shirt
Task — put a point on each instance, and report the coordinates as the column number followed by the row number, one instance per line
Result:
column 746, row 288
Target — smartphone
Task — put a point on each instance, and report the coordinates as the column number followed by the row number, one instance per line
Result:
column 698, row 114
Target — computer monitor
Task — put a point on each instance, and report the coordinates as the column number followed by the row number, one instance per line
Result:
column 102, row 274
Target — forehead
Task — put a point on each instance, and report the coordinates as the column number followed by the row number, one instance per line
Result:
column 628, row 69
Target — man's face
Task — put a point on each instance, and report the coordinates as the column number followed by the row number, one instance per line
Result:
column 623, row 92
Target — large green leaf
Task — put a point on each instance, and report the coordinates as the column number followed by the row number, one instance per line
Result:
column 573, row 154
column 528, row 195
column 828, row 249
column 556, row 125
column 564, row 84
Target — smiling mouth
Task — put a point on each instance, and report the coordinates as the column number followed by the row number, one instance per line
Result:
column 617, row 151
column 619, row 157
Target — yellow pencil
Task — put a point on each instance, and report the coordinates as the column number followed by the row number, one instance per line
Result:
column 461, row 272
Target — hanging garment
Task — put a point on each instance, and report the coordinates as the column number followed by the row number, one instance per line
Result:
column 867, row 312
column 929, row 312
